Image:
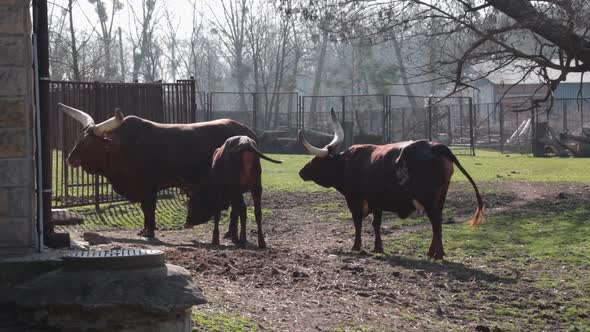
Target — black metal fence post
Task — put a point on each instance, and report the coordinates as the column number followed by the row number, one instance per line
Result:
column 254, row 110
column 343, row 109
column 501, row 118
column 488, row 121
column 471, row 131
column 564, row 115
column 429, row 132
column 97, row 106
column 449, row 127
column 193, row 98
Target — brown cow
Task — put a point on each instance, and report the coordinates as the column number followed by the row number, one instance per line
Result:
column 235, row 169
column 140, row 157
column 401, row 177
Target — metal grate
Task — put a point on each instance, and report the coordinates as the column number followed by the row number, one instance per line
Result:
column 114, row 259
column 113, row 253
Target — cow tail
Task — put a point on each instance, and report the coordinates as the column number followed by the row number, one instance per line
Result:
column 261, row 155
column 479, row 214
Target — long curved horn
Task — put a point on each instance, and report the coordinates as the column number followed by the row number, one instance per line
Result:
column 85, row 119
column 312, row 149
column 338, row 132
column 110, row 124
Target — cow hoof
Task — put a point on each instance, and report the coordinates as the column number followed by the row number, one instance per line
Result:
column 261, row 245
column 356, row 248
column 146, row 233
column 378, row 250
column 215, row 242
column 436, row 255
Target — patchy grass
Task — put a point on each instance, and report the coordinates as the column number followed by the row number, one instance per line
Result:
column 170, row 214
column 545, row 252
column 491, row 165
column 221, row 322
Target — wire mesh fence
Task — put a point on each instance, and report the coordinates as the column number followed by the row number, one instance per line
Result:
column 371, row 118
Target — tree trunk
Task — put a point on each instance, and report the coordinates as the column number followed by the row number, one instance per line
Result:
column 404, row 74
column 75, row 64
column 121, row 58
column 318, row 75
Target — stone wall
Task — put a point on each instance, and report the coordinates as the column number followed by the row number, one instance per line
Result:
column 17, row 217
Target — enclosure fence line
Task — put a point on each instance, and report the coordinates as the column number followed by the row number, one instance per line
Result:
column 366, row 118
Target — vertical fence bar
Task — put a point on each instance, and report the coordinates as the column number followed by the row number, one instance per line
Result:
column 403, row 124
column 461, row 119
column 488, row 121
column 255, row 110
column 343, row 109
column 303, row 110
column 471, row 131
column 564, row 102
column 429, row 132
column 96, row 180
column 449, row 128
column 501, row 118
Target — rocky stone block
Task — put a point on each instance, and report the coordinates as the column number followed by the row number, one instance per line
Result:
column 13, row 80
column 12, row 16
column 12, row 113
column 13, row 143
column 15, row 202
column 128, row 300
column 15, row 232
column 13, row 51
column 15, row 172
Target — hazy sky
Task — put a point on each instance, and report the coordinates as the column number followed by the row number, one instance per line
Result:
column 85, row 16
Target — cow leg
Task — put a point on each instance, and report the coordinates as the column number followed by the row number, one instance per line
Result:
column 148, row 207
column 436, row 246
column 256, row 197
column 356, row 209
column 232, row 229
column 215, row 239
column 377, row 228
column 242, row 210
column 233, row 224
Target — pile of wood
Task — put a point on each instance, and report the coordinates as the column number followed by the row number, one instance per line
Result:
column 563, row 144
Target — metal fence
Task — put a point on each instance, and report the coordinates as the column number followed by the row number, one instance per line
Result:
column 161, row 102
column 508, row 126
column 449, row 120
column 372, row 118
column 364, row 117
column 258, row 110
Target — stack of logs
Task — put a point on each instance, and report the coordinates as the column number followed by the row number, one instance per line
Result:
column 563, row 144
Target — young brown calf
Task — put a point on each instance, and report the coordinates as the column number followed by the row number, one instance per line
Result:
column 235, row 169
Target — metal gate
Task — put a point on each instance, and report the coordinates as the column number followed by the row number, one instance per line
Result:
column 449, row 120
column 258, row 110
column 160, row 102
column 364, row 117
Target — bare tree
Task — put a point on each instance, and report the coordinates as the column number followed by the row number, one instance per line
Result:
column 536, row 36
column 144, row 46
column 232, row 30
column 106, row 19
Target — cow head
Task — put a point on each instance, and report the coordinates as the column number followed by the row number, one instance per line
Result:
column 92, row 149
column 204, row 201
column 322, row 168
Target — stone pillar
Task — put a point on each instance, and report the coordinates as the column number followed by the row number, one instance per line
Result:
column 17, row 200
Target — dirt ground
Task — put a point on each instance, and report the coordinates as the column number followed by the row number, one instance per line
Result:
column 309, row 279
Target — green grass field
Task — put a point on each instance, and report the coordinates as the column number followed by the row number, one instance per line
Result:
column 486, row 166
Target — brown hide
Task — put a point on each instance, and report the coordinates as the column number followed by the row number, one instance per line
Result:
column 141, row 157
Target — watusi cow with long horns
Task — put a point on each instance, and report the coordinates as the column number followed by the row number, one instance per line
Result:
column 401, row 177
column 140, row 157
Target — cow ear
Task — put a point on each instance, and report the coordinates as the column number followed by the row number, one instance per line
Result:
column 118, row 114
